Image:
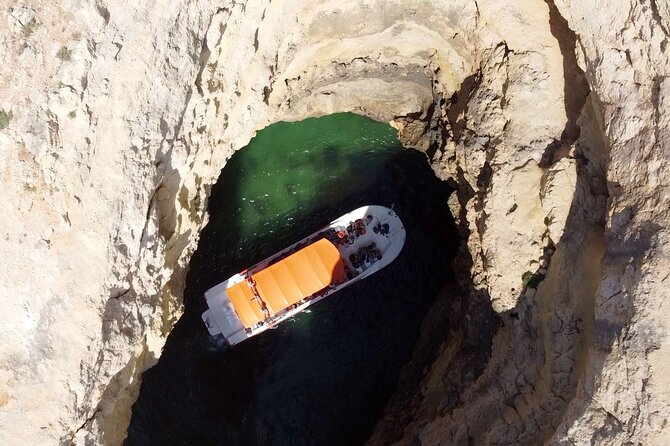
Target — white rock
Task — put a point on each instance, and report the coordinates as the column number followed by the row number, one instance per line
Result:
column 82, row 316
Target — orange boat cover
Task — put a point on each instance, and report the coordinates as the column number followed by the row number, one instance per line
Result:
column 299, row 275
column 246, row 306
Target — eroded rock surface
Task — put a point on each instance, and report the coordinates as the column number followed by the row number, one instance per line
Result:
column 549, row 119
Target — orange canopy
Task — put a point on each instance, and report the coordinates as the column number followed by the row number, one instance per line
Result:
column 299, row 275
column 246, row 307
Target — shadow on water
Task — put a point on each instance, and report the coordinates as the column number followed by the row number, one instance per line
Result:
column 324, row 376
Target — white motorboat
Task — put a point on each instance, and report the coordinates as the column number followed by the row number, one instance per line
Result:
column 347, row 250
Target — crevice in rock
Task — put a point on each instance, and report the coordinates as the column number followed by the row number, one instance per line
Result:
column 576, row 86
column 68, row 440
column 203, row 59
column 657, row 16
column 458, row 103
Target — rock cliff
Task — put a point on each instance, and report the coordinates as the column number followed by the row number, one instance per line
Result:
column 548, row 117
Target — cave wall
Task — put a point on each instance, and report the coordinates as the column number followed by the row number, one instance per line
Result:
column 622, row 396
column 96, row 91
column 548, row 119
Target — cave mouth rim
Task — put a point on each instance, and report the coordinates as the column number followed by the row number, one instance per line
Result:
column 415, row 155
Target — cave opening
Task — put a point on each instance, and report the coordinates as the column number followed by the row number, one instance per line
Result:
column 325, row 375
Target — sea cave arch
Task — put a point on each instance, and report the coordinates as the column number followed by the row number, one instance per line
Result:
column 489, row 109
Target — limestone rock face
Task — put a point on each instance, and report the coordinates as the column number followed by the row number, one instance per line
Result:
column 549, row 118
column 97, row 93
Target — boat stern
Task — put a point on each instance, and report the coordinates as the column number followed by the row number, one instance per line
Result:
column 221, row 317
column 210, row 323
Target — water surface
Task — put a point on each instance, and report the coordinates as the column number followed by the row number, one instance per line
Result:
column 324, row 376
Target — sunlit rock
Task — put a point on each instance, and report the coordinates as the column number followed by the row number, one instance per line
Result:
column 549, row 119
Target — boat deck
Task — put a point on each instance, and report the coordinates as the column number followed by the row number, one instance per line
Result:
column 379, row 233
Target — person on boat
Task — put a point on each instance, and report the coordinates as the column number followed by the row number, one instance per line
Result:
column 385, row 229
column 331, row 235
column 376, row 253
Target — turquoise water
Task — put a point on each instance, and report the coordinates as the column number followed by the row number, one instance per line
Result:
column 324, row 376
column 292, row 173
column 289, row 170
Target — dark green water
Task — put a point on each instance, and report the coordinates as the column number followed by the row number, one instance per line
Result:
column 324, row 376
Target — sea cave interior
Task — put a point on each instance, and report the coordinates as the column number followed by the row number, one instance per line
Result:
column 338, row 362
